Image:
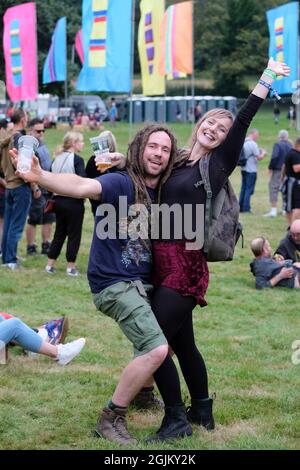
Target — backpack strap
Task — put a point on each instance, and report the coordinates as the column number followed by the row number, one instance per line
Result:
column 203, row 168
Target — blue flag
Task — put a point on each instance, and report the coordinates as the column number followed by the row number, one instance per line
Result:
column 55, row 66
column 106, row 29
column 283, row 28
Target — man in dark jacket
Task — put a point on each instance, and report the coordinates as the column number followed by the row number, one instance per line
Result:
column 289, row 247
column 279, row 153
column 269, row 272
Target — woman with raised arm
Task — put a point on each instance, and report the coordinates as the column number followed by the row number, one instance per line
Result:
column 181, row 275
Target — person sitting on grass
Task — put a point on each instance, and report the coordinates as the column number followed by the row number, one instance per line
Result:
column 269, row 272
column 13, row 329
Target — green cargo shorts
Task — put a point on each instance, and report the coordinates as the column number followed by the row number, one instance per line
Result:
column 128, row 304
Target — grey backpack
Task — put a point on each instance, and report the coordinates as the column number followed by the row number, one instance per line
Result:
column 222, row 228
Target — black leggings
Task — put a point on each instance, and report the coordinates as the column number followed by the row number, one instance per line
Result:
column 69, row 219
column 174, row 315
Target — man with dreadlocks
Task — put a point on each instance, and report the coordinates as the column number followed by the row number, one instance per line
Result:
column 120, row 266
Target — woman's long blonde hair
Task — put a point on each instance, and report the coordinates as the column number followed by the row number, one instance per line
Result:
column 184, row 154
column 70, row 138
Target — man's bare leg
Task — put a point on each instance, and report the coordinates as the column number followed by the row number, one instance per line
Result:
column 138, row 372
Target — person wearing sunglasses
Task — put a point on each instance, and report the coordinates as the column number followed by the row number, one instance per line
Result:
column 40, row 197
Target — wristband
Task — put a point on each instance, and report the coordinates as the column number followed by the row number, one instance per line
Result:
column 270, row 73
column 270, row 88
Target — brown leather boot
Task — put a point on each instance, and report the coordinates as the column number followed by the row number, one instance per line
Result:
column 147, row 400
column 112, row 426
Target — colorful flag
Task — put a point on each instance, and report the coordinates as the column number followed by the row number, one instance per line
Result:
column 176, row 39
column 106, row 29
column 174, row 75
column 79, row 46
column 20, row 52
column 55, row 66
column 152, row 12
column 283, row 29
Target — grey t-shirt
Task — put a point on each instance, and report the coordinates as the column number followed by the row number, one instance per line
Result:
column 251, row 150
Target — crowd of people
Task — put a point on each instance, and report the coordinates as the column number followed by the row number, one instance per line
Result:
column 149, row 287
column 284, row 171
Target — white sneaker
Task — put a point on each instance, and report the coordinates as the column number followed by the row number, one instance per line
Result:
column 67, row 352
column 72, row 272
column 50, row 269
column 270, row 214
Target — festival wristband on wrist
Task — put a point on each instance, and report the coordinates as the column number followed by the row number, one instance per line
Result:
column 270, row 73
column 270, row 88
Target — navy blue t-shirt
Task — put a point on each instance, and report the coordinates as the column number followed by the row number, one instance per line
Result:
column 117, row 258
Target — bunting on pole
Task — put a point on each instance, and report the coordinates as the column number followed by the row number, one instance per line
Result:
column 55, row 66
column 283, row 29
column 106, row 30
column 20, row 52
column 152, row 12
column 176, row 40
column 79, row 46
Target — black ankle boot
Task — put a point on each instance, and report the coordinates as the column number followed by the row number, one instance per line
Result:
column 201, row 413
column 174, row 425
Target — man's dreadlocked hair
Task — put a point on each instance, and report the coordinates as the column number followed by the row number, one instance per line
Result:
column 135, row 166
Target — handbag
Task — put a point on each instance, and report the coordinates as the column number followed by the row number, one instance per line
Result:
column 49, row 206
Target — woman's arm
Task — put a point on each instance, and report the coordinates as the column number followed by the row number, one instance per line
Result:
column 274, row 69
column 228, row 153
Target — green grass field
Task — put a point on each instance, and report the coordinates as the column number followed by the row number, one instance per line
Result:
column 245, row 336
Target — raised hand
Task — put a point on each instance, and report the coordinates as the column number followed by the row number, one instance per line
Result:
column 118, row 160
column 280, row 68
column 31, row 176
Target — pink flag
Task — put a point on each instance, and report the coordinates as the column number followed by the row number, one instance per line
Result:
column 20, row 52
column 78, row 45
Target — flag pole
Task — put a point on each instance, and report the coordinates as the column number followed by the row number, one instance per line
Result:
column 193, row 71
column 132, row 72
column 66, row 80
column 298, row 85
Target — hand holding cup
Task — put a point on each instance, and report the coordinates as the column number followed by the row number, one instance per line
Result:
column 27, row 145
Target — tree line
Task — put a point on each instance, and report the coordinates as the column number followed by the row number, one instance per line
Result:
column 230, row 39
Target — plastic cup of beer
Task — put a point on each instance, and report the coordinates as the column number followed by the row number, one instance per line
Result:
column 103, row 161
column 100, row 146
column 27, row 144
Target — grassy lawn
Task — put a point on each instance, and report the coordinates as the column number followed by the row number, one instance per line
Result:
column 245, row 336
